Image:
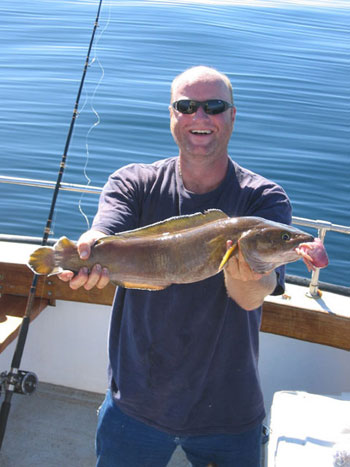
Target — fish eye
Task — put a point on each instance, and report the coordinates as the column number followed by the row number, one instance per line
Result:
column 285, row 236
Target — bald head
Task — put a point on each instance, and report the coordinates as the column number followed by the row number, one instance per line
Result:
column 204, row 74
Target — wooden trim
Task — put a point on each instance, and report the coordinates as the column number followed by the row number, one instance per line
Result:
column 15, row 282
column 15, row 279
column 12, row 309
column 314, row 326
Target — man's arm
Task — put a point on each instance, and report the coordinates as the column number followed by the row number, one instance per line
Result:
column 247, row 288
column 98, row 277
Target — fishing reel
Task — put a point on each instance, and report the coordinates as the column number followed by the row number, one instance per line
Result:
column 19, row 381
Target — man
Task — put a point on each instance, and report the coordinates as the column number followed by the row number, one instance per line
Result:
column 183, row 361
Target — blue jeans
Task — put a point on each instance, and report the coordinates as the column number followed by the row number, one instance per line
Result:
column 123, row 441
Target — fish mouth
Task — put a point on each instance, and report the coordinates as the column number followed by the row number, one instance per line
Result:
column 313, row 254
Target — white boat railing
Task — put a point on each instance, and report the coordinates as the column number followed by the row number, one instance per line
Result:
column 322, row 226
column 51, row 185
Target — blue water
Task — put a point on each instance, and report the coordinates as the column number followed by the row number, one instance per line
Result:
column 289, row 66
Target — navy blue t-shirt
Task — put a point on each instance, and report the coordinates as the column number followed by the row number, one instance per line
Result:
column 185, row 359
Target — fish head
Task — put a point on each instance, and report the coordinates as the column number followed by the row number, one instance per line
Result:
column 270, row 244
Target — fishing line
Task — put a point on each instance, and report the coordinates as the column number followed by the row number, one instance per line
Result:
column 98, row 119
column 11, row 379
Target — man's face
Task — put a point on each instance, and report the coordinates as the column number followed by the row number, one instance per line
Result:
column 200, row 134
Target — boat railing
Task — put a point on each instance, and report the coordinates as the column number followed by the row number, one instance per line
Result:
column 322, row 226
column 50, row 184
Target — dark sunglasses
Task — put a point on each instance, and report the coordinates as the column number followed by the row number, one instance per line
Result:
column 211, row 106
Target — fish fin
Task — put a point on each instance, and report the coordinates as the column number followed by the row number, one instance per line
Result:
column 42, row 261
column 140, row 286
column 172, row 225
column 227, row 256
column 63, row 243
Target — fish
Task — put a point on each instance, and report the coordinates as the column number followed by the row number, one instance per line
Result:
column 184, row 249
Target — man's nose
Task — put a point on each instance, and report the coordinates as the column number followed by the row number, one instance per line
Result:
column 200, row 113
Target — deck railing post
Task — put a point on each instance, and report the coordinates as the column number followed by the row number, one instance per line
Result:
column 313, row 287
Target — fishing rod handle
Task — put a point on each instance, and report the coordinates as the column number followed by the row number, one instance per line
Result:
column 4, row 414
column 17, row 356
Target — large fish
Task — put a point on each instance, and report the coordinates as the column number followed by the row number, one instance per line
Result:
column 184, row 249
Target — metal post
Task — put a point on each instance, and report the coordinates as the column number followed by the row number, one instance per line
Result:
column 313, row 287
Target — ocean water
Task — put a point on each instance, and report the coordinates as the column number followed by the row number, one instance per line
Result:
column 288, row 63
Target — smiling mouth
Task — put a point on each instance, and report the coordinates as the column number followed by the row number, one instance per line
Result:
column 201, row 132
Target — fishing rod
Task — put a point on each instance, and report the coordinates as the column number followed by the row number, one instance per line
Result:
column 16, row 380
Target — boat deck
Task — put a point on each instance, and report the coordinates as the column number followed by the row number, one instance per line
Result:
column 53, row 427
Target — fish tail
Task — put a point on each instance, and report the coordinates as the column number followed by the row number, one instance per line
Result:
column 42, row 261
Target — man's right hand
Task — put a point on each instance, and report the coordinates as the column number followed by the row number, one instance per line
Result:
column 98, row 277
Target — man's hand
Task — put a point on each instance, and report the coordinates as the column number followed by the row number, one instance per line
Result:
column 98, row 277
column 246, row 287
column 238, row 268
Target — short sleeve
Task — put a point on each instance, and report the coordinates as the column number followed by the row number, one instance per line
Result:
column 119, row 205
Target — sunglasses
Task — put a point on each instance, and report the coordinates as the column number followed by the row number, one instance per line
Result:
column 211, row 106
